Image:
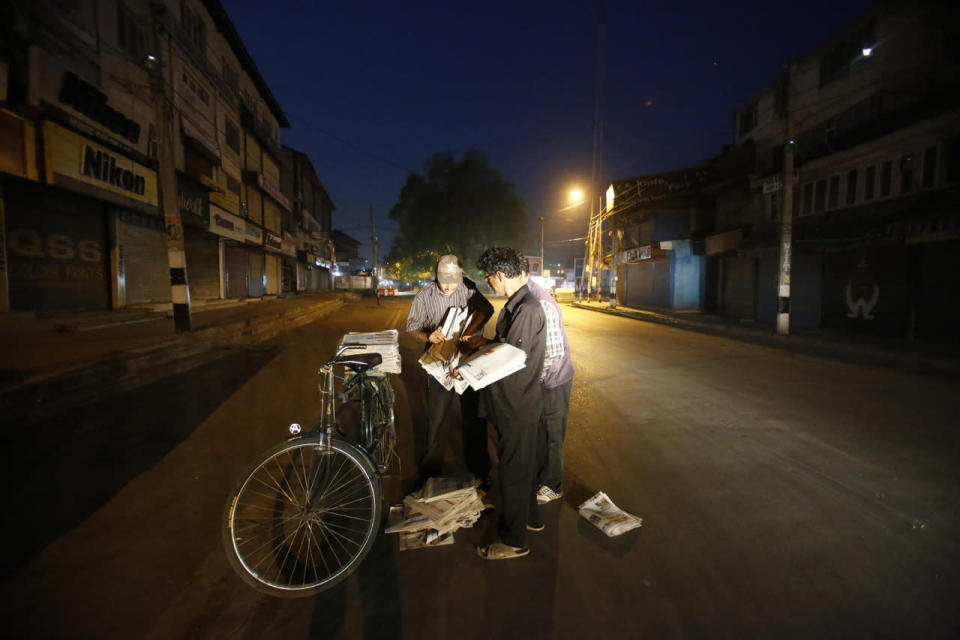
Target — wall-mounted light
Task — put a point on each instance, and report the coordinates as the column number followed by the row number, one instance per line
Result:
column 867, row 52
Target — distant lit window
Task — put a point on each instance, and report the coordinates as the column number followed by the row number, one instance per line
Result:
column 870, row 183
column 930, row 168
column 852, row 187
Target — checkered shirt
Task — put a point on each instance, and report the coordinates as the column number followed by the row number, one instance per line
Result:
column 554, row 348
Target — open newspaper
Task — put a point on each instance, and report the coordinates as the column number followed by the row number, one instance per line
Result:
column 430, row 516
column 383, row 342
column 440, row 358
column 608, row 517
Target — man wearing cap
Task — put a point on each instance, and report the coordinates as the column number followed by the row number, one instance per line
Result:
column 429, row 307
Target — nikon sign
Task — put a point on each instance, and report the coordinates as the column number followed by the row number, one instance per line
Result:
column 76, row 162
column 102, row 166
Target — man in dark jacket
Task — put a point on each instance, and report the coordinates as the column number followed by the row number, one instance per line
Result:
column 513, row 404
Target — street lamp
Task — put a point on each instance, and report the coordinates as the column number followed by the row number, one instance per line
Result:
column 576, row 199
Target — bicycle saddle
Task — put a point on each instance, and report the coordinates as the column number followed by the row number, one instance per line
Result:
column 360, row 362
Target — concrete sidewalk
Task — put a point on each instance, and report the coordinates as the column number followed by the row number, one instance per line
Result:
column 925, row 358
column 52, row 361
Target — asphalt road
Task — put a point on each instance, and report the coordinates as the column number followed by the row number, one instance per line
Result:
column 783, row 496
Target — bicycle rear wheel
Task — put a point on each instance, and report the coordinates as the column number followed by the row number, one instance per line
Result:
column 383, row 422
column 303, row 518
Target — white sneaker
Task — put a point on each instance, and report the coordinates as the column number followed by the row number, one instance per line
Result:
column 545, row 494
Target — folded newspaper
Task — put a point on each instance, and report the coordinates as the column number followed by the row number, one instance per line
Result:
column 608, row 517
column 428, row 517
column 492, row 363
column 383, row 342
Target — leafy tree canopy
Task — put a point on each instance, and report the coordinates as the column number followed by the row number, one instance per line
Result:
column 455, row 206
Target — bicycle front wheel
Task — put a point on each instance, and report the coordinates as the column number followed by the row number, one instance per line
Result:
column 303, row 517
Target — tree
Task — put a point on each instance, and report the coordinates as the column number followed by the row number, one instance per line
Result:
column 460, row 207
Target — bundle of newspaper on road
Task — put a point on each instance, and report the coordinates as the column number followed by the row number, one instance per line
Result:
column 383, row 342
column 608, row 517
column 486, row 366
column 428, row 518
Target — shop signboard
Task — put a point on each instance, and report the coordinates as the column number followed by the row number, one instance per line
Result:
column 288, row 246
column 223, row 223
column 252, row 233
column 273, row 242
column 71, row 158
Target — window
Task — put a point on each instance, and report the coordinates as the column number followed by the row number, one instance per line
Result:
column 232, row 135
column 870, row 183
column 195, row 163
column 230, row 77
column 233, row 185
column 952, row 173
column 130, row 35
column 906, row 173
column 930, row 168
column 833, row 198
column 852, row 187
column 748, row 119
column 808, row 198
column 193, row 25
column 773, row 205
column 886, row 176
column 820, row 195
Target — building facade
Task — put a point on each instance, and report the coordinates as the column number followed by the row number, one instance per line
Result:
column 81, row 89
column 871, row 120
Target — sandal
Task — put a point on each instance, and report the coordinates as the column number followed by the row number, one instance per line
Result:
column 500, row 551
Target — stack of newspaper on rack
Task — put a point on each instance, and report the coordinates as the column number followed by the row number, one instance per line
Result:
column 608, row 517
column 428, row 518
column 383, row 342
column 440, row 359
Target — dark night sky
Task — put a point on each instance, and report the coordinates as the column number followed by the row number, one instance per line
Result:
column 372, row 89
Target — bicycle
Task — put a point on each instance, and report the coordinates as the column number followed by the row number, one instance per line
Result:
column 307, row 512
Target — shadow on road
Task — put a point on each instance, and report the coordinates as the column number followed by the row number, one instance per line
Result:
column 63, row 469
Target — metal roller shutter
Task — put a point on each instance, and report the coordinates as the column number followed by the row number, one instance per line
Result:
column 255, row 274
column 235, row 271
column 145, row 265
column 56, row 250
column 739, row 284
column 648, row 284
column 273, row 274
column 203, row 264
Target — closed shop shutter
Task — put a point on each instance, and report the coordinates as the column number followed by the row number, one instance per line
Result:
column 255, row 271
column 235, row 271
column 805, row 272
column 739, row 282
column 143, row 250
column 273, row 274
column 937, row 291
column 56, row 250
column 288, row 278
column 203, row 264
column 866, row 291
column 648, row 284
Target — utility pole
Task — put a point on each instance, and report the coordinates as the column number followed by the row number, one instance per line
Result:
column 376, row 250
column 541, row 245
column 167, row 178
column 786, row 222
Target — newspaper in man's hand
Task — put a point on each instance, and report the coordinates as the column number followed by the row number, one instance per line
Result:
column 608, row 517
column 492, row 363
